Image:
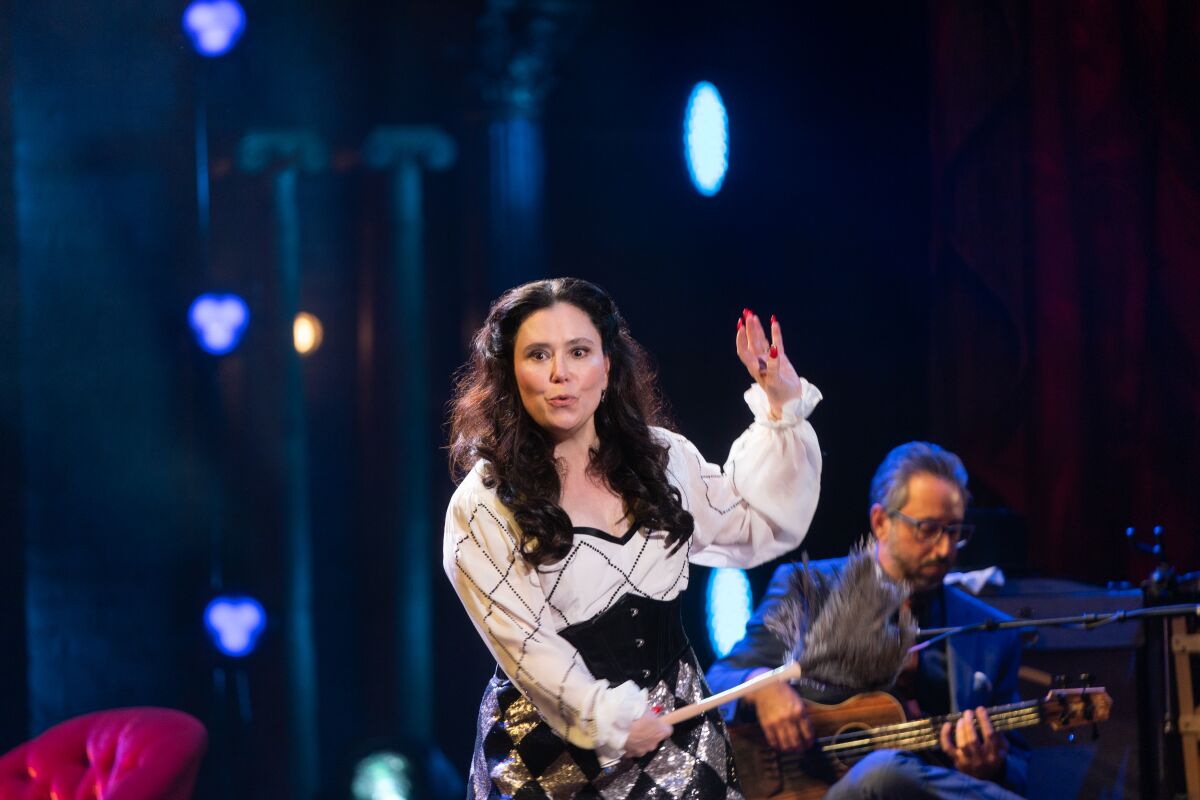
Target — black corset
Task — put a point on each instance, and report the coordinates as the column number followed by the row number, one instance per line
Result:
column 637, row 639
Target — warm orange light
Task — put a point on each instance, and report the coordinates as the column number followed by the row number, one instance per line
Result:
column 307, row 333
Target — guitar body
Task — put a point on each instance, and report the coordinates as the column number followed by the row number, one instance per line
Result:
column 767, row 774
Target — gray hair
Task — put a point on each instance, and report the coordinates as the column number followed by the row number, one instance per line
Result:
column 889, row 487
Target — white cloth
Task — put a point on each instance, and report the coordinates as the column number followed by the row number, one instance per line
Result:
column 759, row 507
column 975, row 582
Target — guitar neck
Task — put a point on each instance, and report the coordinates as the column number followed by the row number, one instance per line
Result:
column 923, row 734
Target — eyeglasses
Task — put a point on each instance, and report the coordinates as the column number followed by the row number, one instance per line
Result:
column 930, row 530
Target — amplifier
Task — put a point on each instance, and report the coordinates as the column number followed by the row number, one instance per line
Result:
column 1107, row 766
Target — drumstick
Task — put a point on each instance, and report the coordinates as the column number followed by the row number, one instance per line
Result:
column 788, row 672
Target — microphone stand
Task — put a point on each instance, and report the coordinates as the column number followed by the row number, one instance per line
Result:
column 1085, row 622
column 1159, row 762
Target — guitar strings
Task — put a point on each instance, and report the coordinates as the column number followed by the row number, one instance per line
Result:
column 918, row 735
column 920, row 740
column 924, row 727
column 998, row 711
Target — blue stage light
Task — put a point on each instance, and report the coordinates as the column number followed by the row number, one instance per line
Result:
column 214, row 26
column 729, row 608
column 218, row 321
column 383, row 776
column 235, row 622
column 706, row 139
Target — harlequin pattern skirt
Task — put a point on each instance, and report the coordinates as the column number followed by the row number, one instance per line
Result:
column 518, row 756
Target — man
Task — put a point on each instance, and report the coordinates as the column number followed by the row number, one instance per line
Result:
column 917, row 505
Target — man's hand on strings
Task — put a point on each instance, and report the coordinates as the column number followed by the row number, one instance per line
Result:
column 980, row 754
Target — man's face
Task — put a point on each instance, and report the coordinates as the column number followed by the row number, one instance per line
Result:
column 902, row 554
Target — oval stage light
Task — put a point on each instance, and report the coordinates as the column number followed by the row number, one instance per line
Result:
column 729, row 608
column 706, row 139
column 307, row 333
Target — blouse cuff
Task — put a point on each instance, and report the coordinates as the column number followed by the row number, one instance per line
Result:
column 615, row 713
column 793, row 411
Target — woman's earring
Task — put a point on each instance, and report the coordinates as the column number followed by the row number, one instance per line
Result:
column 603, row 392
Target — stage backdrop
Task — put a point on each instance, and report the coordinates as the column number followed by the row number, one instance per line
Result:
column 1065, row 355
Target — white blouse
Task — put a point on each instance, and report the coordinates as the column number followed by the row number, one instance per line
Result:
column 757, row 508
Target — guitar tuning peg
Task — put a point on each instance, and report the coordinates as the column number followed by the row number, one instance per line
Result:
column 1071, row 737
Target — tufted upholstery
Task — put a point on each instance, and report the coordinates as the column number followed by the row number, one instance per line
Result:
column 120, row 754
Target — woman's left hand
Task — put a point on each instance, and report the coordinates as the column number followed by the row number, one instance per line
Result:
column 767, row 362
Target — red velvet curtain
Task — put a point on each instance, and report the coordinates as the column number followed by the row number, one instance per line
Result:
column 1066, row 258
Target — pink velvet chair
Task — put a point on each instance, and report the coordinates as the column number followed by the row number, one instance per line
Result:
column 120, row 754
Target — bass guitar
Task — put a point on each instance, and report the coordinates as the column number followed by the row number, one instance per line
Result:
column 848, row 731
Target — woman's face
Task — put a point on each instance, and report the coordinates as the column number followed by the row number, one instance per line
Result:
column 561, row 369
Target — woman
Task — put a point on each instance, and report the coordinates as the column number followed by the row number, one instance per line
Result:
column 569, row 537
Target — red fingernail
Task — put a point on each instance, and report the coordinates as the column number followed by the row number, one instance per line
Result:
column 773, row 320
column 740, row 323
column 656, row 709
column 745, row 313
column 774, row 351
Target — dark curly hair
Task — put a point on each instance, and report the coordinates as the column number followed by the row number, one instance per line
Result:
column 488, row 421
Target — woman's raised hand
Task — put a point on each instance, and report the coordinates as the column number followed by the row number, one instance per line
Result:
column 766, row 361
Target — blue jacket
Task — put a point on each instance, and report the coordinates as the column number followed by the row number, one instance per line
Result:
column 984, row 665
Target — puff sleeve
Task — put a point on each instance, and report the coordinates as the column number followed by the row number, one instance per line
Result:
column 759, row 506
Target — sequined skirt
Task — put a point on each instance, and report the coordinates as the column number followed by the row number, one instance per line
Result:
column 517, row 755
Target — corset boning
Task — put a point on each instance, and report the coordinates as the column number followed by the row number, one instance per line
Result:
column 637, row 639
